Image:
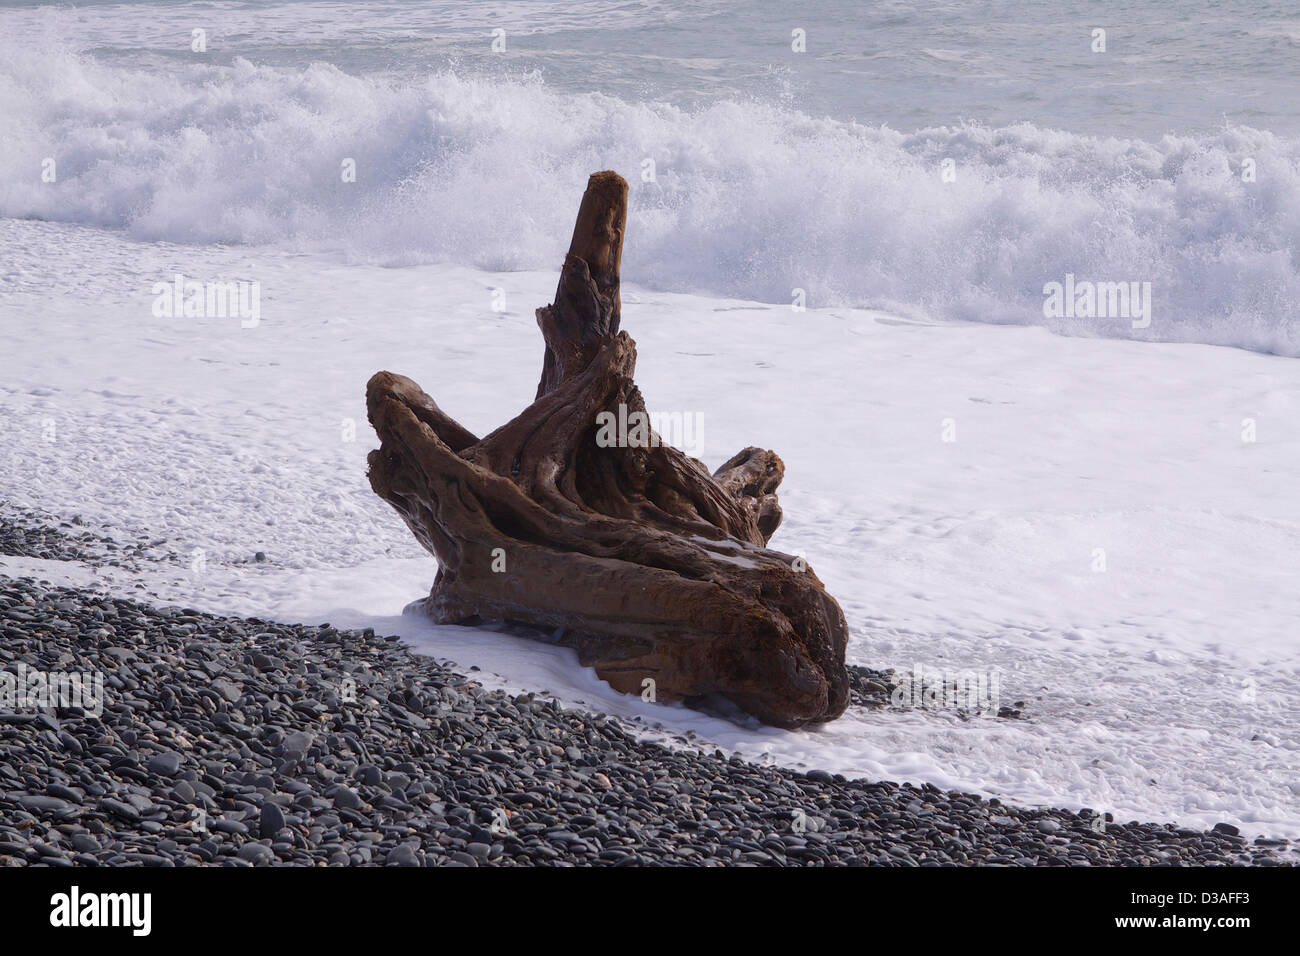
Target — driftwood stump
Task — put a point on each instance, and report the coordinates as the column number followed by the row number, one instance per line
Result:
column 653, row 569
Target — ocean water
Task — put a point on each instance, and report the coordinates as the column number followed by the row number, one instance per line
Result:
column 1171, row 158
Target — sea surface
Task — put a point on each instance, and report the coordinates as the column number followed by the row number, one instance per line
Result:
column 1173, row 157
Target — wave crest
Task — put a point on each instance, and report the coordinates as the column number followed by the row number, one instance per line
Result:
column 748, row 199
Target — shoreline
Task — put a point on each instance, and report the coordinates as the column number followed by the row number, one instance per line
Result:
column 231, row 741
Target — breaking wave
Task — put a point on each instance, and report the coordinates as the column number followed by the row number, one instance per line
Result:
column 748, row 199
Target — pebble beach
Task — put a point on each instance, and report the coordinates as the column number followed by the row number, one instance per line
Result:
column 223, row 741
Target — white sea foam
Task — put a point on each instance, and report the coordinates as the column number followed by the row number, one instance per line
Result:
column 749, row 199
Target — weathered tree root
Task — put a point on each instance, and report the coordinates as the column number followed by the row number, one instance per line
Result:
column 653, row 569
